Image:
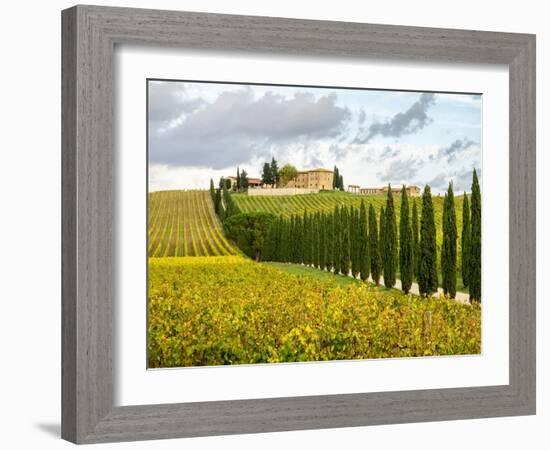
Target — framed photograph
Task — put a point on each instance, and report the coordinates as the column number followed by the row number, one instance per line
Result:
column 278, row 224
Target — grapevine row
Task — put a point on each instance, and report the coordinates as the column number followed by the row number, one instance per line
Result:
column 183, row 223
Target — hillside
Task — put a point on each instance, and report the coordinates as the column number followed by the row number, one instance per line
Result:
column 183, row 223
column 326, row 201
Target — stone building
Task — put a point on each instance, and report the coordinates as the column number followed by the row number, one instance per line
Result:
column 412, row 191
column 312, row 179
column 252, row 182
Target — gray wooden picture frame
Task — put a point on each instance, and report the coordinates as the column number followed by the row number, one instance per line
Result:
column 90, row 34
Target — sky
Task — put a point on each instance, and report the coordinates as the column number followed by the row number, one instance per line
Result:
column 198, row 131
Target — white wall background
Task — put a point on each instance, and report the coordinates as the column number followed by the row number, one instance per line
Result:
column 30, row 223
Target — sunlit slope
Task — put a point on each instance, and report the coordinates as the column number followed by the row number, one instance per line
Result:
column 183, row 223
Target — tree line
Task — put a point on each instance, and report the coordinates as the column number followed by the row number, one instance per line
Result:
column 360, row 242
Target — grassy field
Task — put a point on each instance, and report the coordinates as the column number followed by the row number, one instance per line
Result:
column 312, row 272
column 183, row 223
column 341, row 280
column 326, row 201
column 225, row 310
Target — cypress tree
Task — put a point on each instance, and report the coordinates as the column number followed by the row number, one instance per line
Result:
column 345, row 254
column 444, row 256
column 415, row 240
column 381, row 238
column 274, row 171
column 317, row 240
column 212, row 190
column 465, row 240
column 390, row 242
column 323, row 242
column 427, row 277
column 363, row 245
column 335, row 178
column 354, row 241
column 337, row 227
column 298, row 241
column 330, row 240
column 373, row 246
column 303, row 245
column 306, row 238
column 288, row 241
column 310, row 240
column 276, row 253
column 292, row 238
column 405, row 244
column 357, row 239
column 280, row 239
column 448, row 250
column 238, row 182
column 474, row 273
column 218, row 203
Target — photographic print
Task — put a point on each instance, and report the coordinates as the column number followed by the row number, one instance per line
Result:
column 306, row 223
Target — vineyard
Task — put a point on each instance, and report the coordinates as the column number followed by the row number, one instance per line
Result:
column 183, row 223
column 225, row 310
column 326, row 201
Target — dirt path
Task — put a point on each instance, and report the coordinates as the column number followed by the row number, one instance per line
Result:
column 460, row 296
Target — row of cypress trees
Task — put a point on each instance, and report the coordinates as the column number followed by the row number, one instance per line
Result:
column 354, row 240
column 224, row 205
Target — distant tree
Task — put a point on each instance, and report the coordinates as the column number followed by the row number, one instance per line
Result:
column 322, row 241
column 345, row 254
column 448, row 247
column 218, row 202
column 274, row 169
column 373, row 246
column 266, row 174
column 330, row 241
column 313, row 238
column 244, row 180
column 390, row 242
column 337, row 236
column 381, row 238
column 466, row 236
column 287, row 173
column 305, row 236
column 290, row 238
column 335, row 179
column 354, row 241
column 212, row 190
column 230, row 206
column 238, row 182
column 427, row 277
column 298, row 239
column 363, row 243
column 474, row 273
column 415, row 240
column 288, row 241
column 405, row 244
column 319, row 234
column 341, row 182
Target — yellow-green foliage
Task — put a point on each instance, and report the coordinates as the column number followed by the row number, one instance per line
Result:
column 183, row 223
column 230, row 310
